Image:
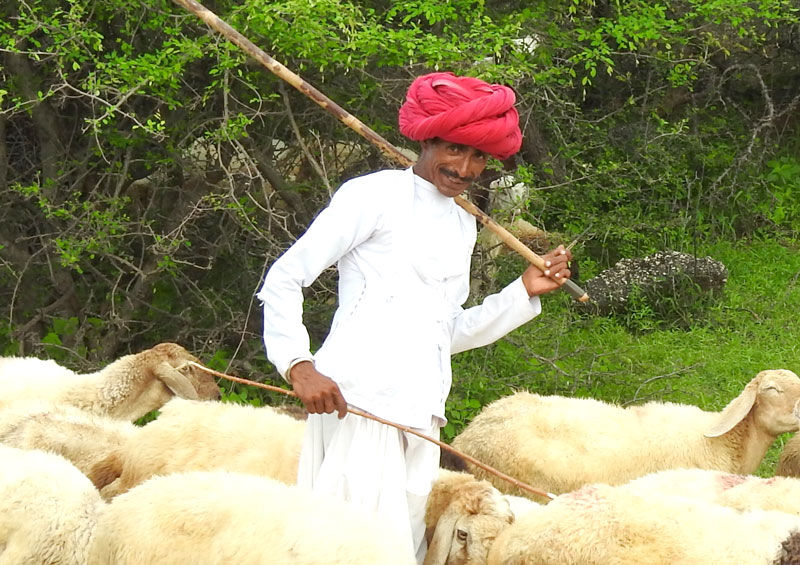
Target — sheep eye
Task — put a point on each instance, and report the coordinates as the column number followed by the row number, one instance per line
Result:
column 461, row 535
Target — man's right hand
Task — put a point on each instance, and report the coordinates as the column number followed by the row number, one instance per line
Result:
column 319, row 393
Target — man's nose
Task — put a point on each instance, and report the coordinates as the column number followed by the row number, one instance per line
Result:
column 461, row 166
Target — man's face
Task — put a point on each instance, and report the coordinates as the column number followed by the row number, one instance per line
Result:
column 451, row 167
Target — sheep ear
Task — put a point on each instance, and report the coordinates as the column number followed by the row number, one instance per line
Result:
column 106, row 471
column 175, row 381
column 736, row 410
column 439, row 548
column 112, row 489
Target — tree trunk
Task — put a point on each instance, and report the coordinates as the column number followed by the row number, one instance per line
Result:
column 46, row 122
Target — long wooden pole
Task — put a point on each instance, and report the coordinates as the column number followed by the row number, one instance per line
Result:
column 516, row 482
column 215, row 23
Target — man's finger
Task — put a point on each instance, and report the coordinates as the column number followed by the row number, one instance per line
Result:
column 341, row 406
column 330, row 403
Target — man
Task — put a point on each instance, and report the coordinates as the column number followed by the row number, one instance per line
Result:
column 403, row 248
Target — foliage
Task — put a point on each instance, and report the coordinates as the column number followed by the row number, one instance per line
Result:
column 677, row 302
column 781, row 203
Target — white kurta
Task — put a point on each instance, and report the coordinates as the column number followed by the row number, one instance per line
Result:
column 403, row 251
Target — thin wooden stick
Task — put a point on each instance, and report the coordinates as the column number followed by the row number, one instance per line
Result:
column 516, row 482
column 217, row 24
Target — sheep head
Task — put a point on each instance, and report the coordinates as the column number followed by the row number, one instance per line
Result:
column 463, row 517
column 771, row 396
column 182, row 378
column 137, row 384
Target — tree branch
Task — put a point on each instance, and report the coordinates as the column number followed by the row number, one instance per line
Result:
column 301, row 142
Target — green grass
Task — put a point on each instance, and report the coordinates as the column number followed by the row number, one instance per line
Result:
column 751, row 327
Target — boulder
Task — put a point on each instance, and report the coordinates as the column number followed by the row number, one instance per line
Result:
column 666, row 274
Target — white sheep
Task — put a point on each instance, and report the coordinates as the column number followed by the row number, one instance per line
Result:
column 195, row 436
column 741, row 492
column 463, row 517
column 128, row 388
column 560, row 444
column 200, row 436
column 48, row 509
column 87, row 440
column 219, row 518
column 51, row 514
column 600, row 524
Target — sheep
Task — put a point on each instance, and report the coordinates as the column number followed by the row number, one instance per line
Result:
column 789, row 460
column 225, row 439
column 463, row 517
column 560, row 444
column 128, row 388
column 468, row 517
column 48, row 509
column 219, row 517
column 88, row 441
column 741, row 492
column 191, row 435
column 198, row 436
column 293, row 410
column 51, row 514
column 601, row 524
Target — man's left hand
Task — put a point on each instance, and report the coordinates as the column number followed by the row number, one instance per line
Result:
column 557, row 271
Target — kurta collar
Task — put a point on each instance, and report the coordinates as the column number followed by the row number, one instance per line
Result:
column 427, row 192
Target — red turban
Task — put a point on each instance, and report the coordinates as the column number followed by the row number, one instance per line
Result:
column 462, row 110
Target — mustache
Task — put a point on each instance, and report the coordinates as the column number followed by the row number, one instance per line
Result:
column 455, row 176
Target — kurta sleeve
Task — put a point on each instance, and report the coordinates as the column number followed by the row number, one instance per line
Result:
column 498, row 315
column 350, row 218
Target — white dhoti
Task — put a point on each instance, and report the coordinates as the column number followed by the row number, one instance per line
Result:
column 376, row 467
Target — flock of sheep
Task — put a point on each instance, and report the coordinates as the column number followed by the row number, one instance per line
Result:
column 213, row 483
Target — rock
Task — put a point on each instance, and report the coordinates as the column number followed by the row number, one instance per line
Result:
column 662, row 275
